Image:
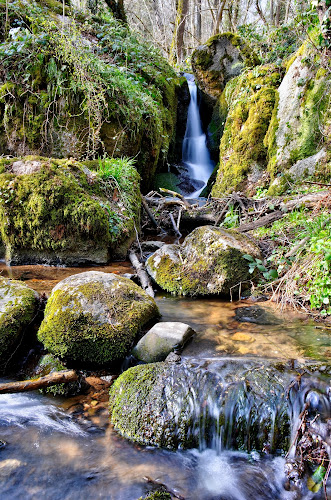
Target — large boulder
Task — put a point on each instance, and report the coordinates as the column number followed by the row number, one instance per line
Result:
column 210, row 261
column 61, row 212
column 18, row 306
column 94, row 317
column 211, row 403
column 221, row 58
column 161, row 340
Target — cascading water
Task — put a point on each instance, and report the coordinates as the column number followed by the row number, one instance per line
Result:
column 195, row 153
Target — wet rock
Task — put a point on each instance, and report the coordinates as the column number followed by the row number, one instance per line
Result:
column 213, row 403
column 93, row 317
column 256, row 314
column 18, row 306
column 160, row 340
column 221, row 58
column 208, row 262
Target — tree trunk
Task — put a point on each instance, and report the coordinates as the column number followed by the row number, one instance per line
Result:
column 272, row 12
column 117, row 9
column 198, row 20
column 219, row 17
column 182, row 14
column 260, row 12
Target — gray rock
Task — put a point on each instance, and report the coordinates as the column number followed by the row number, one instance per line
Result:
column 94, row 317
column 306, row 167
column 162, row 339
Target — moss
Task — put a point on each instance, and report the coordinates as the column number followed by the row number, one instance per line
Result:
column 62, row 102
column 19, row 304
column 157, row 495
column 204, row 59
column 95, row 321
column 250, row 58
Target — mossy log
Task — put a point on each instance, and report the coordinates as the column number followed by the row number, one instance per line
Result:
column 62, row 377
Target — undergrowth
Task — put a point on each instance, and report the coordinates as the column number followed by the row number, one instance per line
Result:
column 302, row 257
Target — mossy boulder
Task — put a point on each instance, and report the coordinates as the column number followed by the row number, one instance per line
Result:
column 60, row 212
column 18, row 307
column 221, row 58
column 210, row 261
column 251, row 100
column 188, row 405
column 92, row 318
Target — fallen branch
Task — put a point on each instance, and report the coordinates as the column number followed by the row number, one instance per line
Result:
column 263, row 221
column 149, row 213
column 62, row 377
column 142, row 274
column 176, row 195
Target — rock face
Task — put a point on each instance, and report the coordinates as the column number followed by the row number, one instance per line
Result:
column 221, row 58
column 94, row 317
column 209, row 404
column 208, row 262
column 250, row 99
column 18, row 306
column 301, row 123
column 162, row 339
column 60, row 212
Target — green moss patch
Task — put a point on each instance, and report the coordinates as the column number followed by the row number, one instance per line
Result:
column 251, row 98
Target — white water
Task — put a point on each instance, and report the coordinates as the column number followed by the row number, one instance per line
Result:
column 195, row 153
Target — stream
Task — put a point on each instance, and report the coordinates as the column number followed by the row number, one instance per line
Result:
column 50, row 454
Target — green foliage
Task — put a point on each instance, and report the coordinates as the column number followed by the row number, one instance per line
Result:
column 308, row 272
column 231, row 218
column 275, row 44
column 254, row 263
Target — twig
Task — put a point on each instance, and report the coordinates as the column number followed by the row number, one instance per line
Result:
column 149, row 213
column 177, row 232
column 176, row 195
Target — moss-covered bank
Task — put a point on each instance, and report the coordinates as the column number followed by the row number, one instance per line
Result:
column 251, row 99
column 82, row 86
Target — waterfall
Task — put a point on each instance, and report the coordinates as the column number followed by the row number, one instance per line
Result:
column 195, row 153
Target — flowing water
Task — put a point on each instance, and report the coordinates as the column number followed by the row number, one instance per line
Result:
column 241, row 369
column 195, row 154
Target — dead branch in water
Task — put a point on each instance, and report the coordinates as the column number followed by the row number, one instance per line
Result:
column 62, row 377
column 142, row 274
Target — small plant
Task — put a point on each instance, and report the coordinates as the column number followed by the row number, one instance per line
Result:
column 231, row 218
column 254, row 263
